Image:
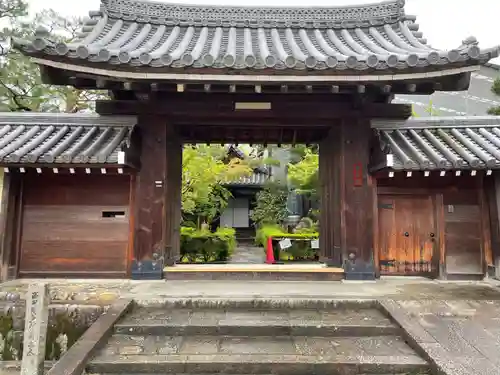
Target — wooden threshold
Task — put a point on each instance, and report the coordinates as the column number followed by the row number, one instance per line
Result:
column 312, row 272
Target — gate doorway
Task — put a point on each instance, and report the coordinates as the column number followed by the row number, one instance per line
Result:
column 407, row 235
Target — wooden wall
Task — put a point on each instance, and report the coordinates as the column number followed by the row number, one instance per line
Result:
column 459, row 214
column 75, row 226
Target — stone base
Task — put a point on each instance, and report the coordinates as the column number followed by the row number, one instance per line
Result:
column 359, row 270
column 492, row 271
column 147, row 270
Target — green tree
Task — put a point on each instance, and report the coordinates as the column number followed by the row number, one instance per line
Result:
column 495, row 88
column 304, row 175
column 21, row 87
column 204, row 169
column 10, row 9
column 271, row 205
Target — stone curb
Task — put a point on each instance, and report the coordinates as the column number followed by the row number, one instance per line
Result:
column 73, row 362
column 278, row 302
column 416, row 337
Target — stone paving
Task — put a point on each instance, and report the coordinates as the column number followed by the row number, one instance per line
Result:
column 180, row 317
column 338, row 339
column 248, row 254
column 125, row 345
column 459, row 337
column 153, row 292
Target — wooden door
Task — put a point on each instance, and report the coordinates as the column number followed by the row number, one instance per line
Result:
column 241, row 213
column 407, row 235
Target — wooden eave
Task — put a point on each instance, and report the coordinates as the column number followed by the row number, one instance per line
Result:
column 437, row 144
column 54, row 140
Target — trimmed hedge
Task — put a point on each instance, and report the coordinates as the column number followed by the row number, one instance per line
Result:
column 203, row 246
column 300, row 250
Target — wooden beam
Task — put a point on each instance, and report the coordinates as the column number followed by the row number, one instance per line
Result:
column 279, row 109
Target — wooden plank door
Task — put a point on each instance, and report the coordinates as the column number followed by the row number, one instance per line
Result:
column 406, row 226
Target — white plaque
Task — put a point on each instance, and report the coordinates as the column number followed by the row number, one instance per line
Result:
column 285, row 244
column 315, row 244
column 35, row 329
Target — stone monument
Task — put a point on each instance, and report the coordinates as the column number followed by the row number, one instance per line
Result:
column 35, row 329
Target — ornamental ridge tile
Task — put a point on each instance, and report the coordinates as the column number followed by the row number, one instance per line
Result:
column 238, row 16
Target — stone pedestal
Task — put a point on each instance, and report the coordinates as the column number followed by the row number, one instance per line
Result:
column 35, row 329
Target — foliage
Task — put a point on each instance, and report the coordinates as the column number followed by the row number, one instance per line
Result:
column 203, row 246
column 305, row 174
column 298, row 152
column 301, row 248
column 496, row 90
column 21, row 86
column 203, row 171
column 275, row 231
column 9, row 9
column 271, row 205
column 429, row 109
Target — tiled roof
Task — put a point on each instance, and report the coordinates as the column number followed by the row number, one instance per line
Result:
column 144, row 33
column 441, row 143
column 45, row 138
column 256, row 179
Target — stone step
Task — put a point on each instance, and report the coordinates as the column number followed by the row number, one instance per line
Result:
column 278, row 355
column 256, row 322
column 260, row 272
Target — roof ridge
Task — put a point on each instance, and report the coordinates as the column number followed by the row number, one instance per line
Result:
column 438, row 122
column 151, row 11
column 76, row 119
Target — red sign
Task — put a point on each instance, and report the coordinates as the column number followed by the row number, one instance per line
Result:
column 357, row 174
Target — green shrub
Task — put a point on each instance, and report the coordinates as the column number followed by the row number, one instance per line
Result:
column 203, row 246
column 300, row 250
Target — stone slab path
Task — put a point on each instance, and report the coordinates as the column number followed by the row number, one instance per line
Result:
column 155, row 292
column 248, row 254
column 459, row 337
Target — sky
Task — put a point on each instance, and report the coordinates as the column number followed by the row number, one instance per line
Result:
column 445, row 23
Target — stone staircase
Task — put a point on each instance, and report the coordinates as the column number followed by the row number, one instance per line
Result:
column 249, row 337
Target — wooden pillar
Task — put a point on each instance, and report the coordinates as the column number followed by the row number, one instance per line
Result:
column 492, row 191
column 149, row 189
column 158, row 198
column 172, row 199
column 347, row 197
column 330, row 178
column 10, row 226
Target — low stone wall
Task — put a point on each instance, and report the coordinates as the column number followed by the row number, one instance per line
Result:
column 67, row 322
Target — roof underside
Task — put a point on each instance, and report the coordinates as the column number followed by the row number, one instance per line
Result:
column 458, row 143
column 33, row 139
column 127, row 35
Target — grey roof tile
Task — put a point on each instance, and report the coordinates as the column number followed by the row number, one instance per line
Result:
column 256, row 179
column 139, row 33
column 443, row 143
column 37, row 138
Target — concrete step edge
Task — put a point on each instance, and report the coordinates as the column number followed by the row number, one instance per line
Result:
column 257, row 364
column 255, row 302
column 323, row 330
